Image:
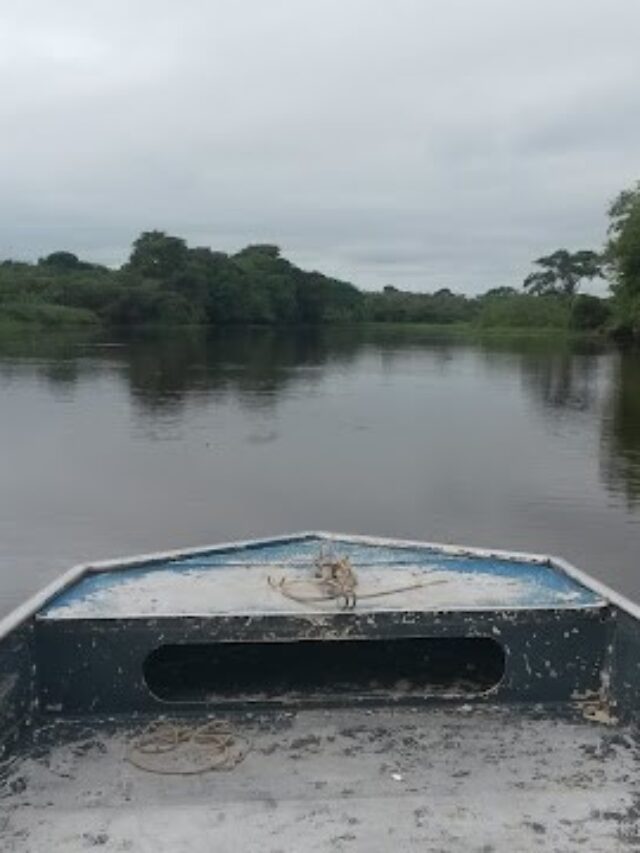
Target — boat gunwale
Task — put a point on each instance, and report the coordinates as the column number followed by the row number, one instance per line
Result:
column 477, row 609
column 72, row 576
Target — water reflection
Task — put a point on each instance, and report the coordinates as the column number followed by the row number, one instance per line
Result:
column 620, row 456
column 559, row 376
column 256, row 366
column 561, row 382
column 168, row 373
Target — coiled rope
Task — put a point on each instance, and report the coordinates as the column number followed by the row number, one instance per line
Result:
column 172, row 749
column 335, row 579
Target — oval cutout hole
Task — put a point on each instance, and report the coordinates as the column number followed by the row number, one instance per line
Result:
column 324, row 670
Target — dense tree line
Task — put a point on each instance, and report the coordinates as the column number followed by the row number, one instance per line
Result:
column 165, row 281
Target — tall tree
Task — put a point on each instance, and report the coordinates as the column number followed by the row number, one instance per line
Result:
column 562, row 272
column 62, row 261
column 623, row 247
column 158, row 255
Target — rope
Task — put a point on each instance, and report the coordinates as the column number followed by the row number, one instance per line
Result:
column 408, row 588
column 336, row 578
column 326, row 593
column 170, row 749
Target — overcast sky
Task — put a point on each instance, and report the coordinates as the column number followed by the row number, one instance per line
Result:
column 424, row 143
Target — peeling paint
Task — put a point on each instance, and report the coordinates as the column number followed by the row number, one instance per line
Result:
column 237, row 582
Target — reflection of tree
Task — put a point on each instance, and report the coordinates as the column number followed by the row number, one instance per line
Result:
column 166, row 372
column 561, row 376
column 256, row 366
column 561, row 382
column 620, row 452
column 63, row 372
column 167, row 369
column 54, row 355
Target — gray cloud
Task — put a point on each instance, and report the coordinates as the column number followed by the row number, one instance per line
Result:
column 425, row 143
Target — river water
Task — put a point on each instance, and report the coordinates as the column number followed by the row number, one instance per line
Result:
column 112, row 446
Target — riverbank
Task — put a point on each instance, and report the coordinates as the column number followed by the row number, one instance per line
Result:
column 28, row 315
column 39, row 319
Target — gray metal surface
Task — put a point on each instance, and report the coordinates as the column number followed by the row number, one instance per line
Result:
column 622, row 680
column 438, row 779
column 17, row 684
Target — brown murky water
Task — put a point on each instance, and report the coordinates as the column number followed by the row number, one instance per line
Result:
column 110, row 447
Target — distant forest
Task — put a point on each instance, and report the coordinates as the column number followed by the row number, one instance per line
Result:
column 166, row 282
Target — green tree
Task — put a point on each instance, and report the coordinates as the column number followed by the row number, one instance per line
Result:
column 257, row 250
column 589, row 312
column 63, row 262
column 562, row 272
column 158, row 255
column 623, row 247
column 623, row 261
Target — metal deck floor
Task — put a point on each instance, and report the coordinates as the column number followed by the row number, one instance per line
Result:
column 430, row 779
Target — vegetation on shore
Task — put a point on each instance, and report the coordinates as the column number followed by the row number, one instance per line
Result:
column 622, row 257
column 166, row 282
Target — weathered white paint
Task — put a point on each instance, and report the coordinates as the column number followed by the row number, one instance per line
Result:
column 38, row 601
column 245, row 590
